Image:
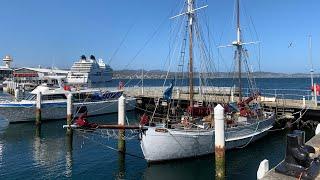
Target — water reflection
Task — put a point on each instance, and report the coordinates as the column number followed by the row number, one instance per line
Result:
column 46, row 151
column 201, row 168
column 3, row 125
column 121, row 166
column 69, row 148
column 1, row 153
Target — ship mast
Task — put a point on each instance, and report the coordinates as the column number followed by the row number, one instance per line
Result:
column 190, row 24
column 238, row 45
column 190, row 14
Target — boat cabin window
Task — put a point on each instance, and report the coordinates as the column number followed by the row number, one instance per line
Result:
column 31, row 97
column 54, row 97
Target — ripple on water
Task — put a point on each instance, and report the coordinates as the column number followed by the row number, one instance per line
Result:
column 3, row 124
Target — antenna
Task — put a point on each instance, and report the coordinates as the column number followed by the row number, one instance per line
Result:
column 310, row 58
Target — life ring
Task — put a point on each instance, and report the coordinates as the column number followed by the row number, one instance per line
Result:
column 162, row 130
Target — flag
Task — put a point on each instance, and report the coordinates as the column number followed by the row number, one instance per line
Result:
column 168, row 92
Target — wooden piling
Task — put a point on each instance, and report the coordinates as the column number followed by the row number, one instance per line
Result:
column 121, row 118
column 69, row 113
column 121, row 166
column 219, row 142
column 69, row 156
column 38, row 108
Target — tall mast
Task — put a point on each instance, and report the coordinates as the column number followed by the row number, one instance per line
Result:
column 190, row 20
column 190, row 13
column 238, row 44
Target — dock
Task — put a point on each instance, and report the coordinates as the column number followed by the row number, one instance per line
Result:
column 286, row 103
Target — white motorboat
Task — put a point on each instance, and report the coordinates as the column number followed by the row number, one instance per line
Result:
column 54, row 103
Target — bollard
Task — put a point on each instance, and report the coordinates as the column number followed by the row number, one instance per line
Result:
column 142, row 88
column 318, row 129
column 263, row 169
column 315, row 94
column 303, row 102
column 69, row 113
column 232, row 95
column 219, row 141
column 16, row 94
column 121, row 120
column 38, row 108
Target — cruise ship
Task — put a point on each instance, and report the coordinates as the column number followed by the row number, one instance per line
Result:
column 89, row 71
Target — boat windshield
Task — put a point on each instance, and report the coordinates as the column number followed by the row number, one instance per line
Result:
column 31, row 97
column 54, row 97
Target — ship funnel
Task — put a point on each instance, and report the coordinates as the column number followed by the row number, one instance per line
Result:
column 83, row 57
column 92, row 57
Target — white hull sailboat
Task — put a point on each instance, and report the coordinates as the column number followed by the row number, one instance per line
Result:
column 161, row 144
column 244, row 124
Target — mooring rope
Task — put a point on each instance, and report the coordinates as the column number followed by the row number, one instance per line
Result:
column 82, row 134
column 298, row 119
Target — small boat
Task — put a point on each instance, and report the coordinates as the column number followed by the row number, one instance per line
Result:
column 54, row 103
column 192, row 134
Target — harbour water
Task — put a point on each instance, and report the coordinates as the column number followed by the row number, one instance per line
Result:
column 30, row 153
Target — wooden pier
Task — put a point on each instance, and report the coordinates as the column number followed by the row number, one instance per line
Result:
column 279, row 102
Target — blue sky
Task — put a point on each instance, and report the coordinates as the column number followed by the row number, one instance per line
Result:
column 44, row 32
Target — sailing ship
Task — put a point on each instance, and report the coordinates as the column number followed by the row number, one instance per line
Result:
column 191, row 134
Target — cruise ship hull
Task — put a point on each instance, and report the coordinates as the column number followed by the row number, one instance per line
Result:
column 23, row 112
column 83, row 79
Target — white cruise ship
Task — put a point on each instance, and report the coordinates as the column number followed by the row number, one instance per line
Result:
column 89, row 71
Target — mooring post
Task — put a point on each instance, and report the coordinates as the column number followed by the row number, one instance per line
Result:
column 142, row 88
column 16, row 94
column 38, row 108
column 263, row 169
column 121, row 119
column 315, row 94
column 303, row 102
column 121, row 166
column 69, row 113
column 232, row 95
column 317, row 129
column 219, row 141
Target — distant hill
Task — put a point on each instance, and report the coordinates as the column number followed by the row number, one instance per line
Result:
column 159, row 74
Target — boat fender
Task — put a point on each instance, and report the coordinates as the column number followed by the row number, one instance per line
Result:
column 144, row 119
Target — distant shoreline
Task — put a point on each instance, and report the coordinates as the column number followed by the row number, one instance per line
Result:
column 157, row 74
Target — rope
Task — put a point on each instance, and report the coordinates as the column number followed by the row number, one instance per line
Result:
column 250, row 138
column 82, row 134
